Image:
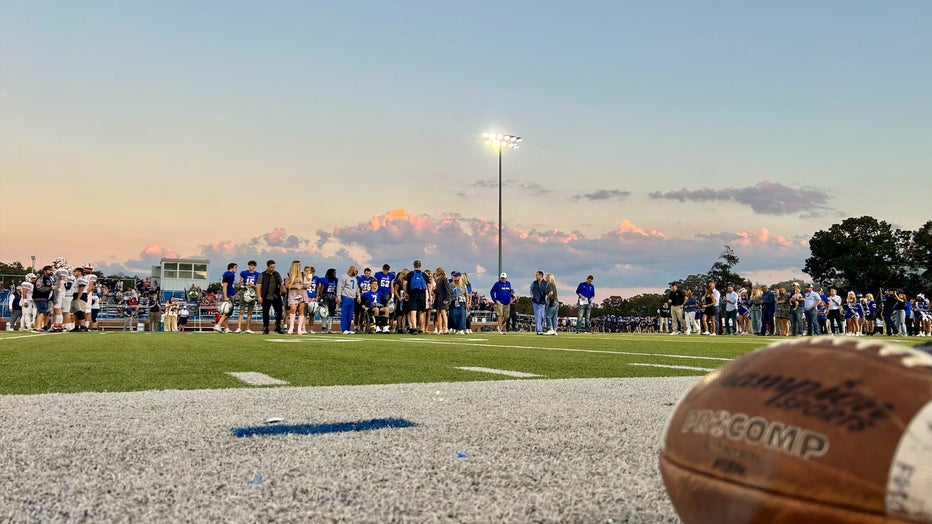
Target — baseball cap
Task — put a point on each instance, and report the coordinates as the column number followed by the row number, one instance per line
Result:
column 503, row 275
column 417, row 263
column 456, row 274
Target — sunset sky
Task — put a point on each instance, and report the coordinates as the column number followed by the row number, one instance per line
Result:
column 655, row 133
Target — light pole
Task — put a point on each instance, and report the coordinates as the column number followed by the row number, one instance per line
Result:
column 499, row 141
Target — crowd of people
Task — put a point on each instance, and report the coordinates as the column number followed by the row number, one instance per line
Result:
column 410, row 301
column 63, row 298
column 789, row 312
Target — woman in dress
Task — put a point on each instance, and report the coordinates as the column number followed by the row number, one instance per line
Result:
column 783, row 312
column 294, row 283
column 708, row 312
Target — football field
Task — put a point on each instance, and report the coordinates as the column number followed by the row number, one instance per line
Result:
column 331, row 428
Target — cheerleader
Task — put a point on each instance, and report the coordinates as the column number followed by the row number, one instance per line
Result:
column 853, row 314
column 744, row 312
column 922, row 313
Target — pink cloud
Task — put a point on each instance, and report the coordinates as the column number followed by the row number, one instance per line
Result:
column 745, row 238
column 156, row 250
column 275, row 237
column 627, row 228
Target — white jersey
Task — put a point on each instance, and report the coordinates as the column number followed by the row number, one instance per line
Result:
column 80, row 282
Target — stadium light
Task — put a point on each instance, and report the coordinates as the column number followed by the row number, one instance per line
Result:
column 500, row 141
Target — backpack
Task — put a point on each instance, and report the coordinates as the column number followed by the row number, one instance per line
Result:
column 417, row 281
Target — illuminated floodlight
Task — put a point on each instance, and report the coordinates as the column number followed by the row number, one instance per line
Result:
column 499, row 141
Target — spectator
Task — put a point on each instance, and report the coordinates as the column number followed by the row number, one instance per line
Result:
column 676, row 299
column 348, row 291
column 796, row 300
column 810, row 308
column 539, row 301
column 835, row 325
column 731, row 310
column 768, row 309
column 690, row 307
column 709, row 308
column 171, row 315
column 783, row 312
column 585, row 293
column 269, row 295
column 502, row 296
column 553, row 305
column 755, row 305
column 443, row 296
column 415, row 291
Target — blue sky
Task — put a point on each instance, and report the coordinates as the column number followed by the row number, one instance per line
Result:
column 337, row 133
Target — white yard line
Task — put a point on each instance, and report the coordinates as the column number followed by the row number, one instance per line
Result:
column 254, row 378
column 573, row 350
column 505, row 372
column 668, row 366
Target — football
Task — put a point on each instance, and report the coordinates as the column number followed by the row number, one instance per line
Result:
column 225, row 307
column 812, row 430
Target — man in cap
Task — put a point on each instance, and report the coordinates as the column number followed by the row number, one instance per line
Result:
column 502, row 295
column 811, row 301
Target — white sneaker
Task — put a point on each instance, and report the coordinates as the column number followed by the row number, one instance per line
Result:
column 461, row 332
column 218, row 329
column 248, row 331
column 237, row 331
column 225, row 330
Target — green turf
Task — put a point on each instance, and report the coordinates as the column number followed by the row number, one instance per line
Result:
column 156, row 361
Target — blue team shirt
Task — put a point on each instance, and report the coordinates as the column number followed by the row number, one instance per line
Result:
column 229, row 278
column 249, row 277
column 502, row 292
column 371, row 298
column 330, row 286
column 312, row 290
column 385, row 282
column 363, row 282
column 586, row 289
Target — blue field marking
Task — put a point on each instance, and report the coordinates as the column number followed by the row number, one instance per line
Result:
column 320, row 429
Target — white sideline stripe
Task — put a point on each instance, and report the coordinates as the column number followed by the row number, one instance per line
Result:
column 517, row 374
column 254, row 378
column 315, row 339
column 688, row 357
column 668, row 366
column 30, row 335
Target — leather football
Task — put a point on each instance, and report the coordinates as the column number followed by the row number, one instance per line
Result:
column 822, row 430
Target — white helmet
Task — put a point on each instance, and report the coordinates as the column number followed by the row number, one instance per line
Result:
column 324, row 312
column 225, row 307
column 249, row 295
column 59, row 262
column 30, row 276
